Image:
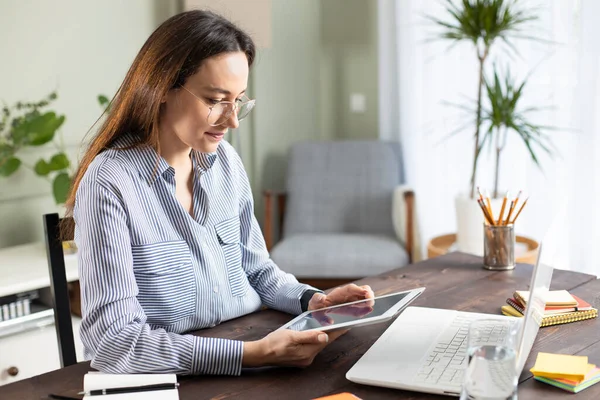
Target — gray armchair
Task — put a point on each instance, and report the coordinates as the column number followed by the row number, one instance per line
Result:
column 336, row 217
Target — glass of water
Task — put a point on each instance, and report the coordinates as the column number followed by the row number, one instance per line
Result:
column 491, row 372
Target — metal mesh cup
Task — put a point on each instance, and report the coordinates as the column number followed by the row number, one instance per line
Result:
column 499, row 247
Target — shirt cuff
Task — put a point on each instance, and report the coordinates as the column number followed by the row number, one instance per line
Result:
column 306, row 296
column 214, row 356
column 288, row 297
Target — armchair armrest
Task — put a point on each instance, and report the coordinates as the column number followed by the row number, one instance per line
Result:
column 271, row 196
column 405, row 222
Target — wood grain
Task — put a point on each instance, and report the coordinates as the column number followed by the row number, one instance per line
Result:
column 453, row 281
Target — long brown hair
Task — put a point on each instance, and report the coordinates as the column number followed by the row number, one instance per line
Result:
column 173, row 53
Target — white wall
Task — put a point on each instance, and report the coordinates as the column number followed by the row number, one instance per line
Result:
column 83, row 49
column 80, row 49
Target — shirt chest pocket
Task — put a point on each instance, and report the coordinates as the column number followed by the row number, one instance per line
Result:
column 165, row 277
column 228, row 233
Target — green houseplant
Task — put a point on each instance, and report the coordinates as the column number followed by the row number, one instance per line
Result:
column 505, row 114
column 483, row 23
column 487, row 25
column 30, row 125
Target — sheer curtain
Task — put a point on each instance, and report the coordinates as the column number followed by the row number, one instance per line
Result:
column 418, row 77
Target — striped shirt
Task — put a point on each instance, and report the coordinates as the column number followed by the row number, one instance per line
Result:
column 149, row 271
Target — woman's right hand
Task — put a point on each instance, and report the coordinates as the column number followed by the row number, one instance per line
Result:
column 286, row 347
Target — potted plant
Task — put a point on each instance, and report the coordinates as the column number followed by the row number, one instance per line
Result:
column 504, row 114
column 29, row 125
column 485, row 24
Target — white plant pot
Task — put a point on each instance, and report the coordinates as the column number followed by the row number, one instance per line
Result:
column 469, row 223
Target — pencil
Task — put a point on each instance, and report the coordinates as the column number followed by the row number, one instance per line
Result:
column 486, row 214
column 502, row 209
column 489, row 206
column 520, row 209
column 513, row 204
column 510, row 210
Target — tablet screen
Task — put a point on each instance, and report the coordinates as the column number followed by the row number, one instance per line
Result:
column 347, row 313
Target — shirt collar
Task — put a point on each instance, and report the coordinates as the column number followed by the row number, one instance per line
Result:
column 151, row 165
column 203, row 161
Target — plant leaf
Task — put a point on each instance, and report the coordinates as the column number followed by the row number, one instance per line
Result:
column 6, row 152
column 41, row 167
column 59, row 161
column 60, row 187
column 9, row 166
column 35, row 129
column 103, row 100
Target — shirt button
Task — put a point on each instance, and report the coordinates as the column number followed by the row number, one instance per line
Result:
column 216, row 289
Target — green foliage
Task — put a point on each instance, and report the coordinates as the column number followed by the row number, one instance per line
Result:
column 27, row 124
column 483, row 23
column 103, row 101
column 60, row 187
column 505, row 114
column 10, row 166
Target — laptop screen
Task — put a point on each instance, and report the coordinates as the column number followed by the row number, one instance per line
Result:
column 534, row 313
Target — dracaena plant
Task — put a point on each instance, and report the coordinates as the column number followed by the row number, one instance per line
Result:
column 31, row 125
column 504, row 114
column 483, row 23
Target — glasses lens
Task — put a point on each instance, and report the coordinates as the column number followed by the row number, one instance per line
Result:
column 221, row 112
column 245, row 109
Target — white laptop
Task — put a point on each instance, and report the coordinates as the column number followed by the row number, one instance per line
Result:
column 425, row 349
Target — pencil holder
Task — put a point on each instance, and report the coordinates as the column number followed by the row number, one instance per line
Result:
column 499, row 247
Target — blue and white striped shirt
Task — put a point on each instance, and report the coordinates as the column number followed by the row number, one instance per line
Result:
column 149, row 271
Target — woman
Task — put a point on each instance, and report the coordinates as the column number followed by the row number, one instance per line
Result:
column 164, row 222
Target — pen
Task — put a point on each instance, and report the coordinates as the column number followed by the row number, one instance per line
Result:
column 132, row 389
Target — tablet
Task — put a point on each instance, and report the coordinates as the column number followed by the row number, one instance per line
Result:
column 356, row 313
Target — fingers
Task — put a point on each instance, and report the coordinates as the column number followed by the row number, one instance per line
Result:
column 343, row 294
column 333, row 335
column 323, row 318
column 353, row 292
column 311, row 337
column 358, row 311
column 319, row 300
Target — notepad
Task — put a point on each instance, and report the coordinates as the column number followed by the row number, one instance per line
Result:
column 559, row 298
column 561, row 366
column 98, row 380
column 572, row 386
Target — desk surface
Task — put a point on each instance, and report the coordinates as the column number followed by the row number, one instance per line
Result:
column 453, row 281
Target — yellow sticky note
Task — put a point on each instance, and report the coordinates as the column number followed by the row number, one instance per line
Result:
column 561, row 366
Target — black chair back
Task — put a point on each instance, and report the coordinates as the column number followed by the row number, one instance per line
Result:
column 60, row 290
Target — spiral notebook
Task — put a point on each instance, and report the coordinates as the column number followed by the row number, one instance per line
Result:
column 555, row 319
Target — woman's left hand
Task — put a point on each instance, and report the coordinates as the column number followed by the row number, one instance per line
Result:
column 342, row 294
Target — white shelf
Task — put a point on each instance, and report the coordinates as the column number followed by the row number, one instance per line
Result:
column 25, row 267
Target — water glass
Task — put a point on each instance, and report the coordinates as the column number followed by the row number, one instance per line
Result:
column 499, row 247
column 491, row 372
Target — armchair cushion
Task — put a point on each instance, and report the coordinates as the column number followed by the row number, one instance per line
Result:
column 343, row 186
column 338, row 255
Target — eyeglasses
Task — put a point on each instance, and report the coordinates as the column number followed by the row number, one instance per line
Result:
column 219, row 113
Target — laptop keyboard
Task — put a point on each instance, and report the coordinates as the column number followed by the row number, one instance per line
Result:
column 446, row 362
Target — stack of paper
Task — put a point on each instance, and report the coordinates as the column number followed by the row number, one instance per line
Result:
column 561, row 307
column 571, row 373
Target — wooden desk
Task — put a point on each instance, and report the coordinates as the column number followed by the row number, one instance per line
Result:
column 454, row 281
